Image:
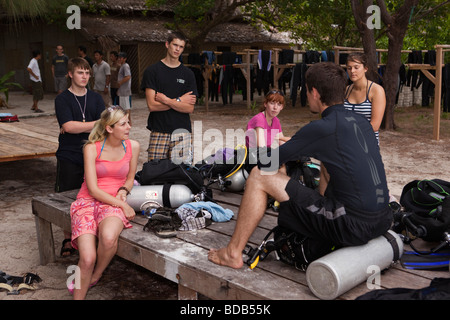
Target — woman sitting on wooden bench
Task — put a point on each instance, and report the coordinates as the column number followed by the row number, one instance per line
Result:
column 100, row 210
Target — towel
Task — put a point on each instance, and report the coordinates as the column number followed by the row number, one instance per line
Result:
column 218, row 214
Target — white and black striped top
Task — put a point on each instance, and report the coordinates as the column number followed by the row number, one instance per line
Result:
column 364, row 108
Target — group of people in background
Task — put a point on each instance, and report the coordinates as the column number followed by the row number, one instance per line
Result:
column 112, row 81
column 96, row 156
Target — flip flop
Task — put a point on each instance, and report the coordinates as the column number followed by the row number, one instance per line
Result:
column 161, row 225
column 64, row 249
column 71, row 286
column 38, row 110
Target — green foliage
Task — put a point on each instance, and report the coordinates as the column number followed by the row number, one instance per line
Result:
column 322, row 24
column 318, row 24
column 5, row 86
column 430, row 30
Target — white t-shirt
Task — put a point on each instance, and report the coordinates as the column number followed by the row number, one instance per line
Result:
column 125, row 89
column 33, row 65
column 100, row 73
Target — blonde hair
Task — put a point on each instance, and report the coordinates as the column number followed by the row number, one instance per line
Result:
column 109, row 117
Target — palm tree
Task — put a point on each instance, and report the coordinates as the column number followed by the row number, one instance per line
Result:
column 16, row 10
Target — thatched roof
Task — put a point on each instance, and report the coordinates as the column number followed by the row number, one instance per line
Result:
column 146, row 29
column 121, row 29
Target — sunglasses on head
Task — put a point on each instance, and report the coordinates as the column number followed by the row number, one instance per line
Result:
column 116, row 107
column 275, row 91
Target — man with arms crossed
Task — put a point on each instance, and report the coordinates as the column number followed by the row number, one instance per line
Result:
column 352, row 206
column 77, row 109
column 171, row 92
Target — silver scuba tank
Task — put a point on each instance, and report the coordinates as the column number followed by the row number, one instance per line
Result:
column 335, row 273
column 236, row 182
column 171, row 196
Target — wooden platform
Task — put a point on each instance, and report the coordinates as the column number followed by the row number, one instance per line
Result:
column 21, row 141
column 183, row 259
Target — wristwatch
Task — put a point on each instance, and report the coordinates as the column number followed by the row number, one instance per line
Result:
column 178, row 99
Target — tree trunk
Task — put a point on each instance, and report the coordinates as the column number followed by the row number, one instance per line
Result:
column 390, row 81
column 367, row 36
column 396, row 24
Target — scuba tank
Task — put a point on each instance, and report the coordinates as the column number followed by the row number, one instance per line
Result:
column 236, row 181
column 339, row 271
column 167, row 195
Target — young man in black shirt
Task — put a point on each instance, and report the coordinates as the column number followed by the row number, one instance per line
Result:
column 171, row 92
column 351, row 208
column 77, row 109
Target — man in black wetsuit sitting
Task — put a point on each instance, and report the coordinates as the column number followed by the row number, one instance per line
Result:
column 351, row 206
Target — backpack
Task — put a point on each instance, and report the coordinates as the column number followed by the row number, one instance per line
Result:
column 8, row 117
column 428, row 202
column 165, row 171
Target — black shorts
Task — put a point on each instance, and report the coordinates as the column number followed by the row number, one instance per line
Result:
column 324, row 219
column 69, row 176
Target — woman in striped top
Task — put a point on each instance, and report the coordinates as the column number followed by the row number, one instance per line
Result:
column 363, row 96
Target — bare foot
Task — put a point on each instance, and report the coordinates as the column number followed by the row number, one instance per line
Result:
column 223, row 258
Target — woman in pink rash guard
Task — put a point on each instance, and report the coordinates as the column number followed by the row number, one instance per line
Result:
column 264, row 129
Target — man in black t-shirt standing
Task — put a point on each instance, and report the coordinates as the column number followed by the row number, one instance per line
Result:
column 351, row 206
column 59, row 69
column 171, row 92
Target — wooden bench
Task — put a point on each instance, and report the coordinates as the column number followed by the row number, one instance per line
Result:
column 183, row 259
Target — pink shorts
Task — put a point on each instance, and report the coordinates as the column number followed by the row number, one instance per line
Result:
column 86, row 215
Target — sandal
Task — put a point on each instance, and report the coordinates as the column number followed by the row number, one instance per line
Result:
column 38, row 110
column 164, row 223
column 71, row 286
column 64, row 250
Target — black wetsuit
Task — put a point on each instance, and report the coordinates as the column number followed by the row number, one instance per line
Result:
column 355, row 207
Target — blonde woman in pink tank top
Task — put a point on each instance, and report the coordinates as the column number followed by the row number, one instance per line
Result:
column 100, row 211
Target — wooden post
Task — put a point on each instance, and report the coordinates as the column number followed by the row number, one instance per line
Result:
column 249, row 79
column 437, row 93
column 246, row 71
column 206, row 73
column 185, row 293
column 276, row 67
column 46, row 244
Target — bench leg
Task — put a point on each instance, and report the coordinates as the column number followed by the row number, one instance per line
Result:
column 184, row 293
column 45, row 240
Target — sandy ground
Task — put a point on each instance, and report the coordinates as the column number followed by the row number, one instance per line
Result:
column 406, row 158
